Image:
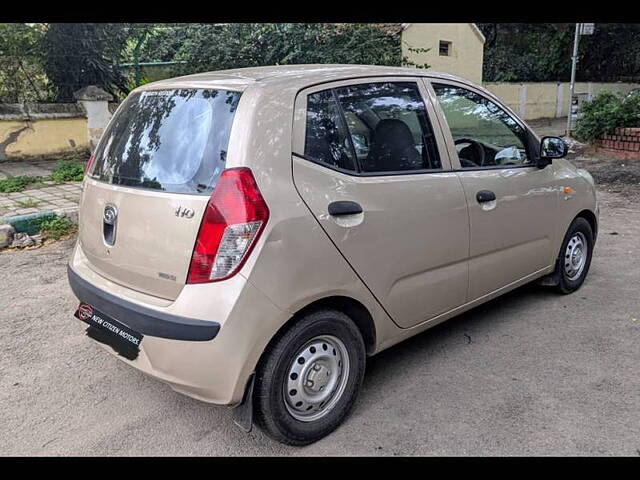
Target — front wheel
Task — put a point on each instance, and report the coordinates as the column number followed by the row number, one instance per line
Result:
column 575, row 256
column 309, row 378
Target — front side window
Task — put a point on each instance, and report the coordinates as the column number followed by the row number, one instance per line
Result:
column 483, row 133
column 374, row 127
column 170, row 140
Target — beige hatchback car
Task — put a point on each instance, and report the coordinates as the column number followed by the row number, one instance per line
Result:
column 250, row 236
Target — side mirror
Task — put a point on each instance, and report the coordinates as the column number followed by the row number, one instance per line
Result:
column 552, row 147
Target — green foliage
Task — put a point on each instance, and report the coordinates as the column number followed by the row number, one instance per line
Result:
column 205, row 47
column 18, row 184
column 541, row 52
column 68, row 170
column 606, row 112
column 65, row 171
column 22, row 76
column 406, row 62
column 81, row 54
column 55, row 227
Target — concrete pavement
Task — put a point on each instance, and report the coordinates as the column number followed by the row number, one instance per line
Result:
column 530, row 373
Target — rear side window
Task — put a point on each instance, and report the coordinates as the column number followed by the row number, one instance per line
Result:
column 374, row 127
column 326, row 135
column 170, row 140
column 389, row 127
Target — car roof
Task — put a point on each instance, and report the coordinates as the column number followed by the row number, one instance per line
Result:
column 299, row 76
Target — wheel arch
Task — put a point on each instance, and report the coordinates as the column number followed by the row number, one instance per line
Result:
column 590, row 217
column 354, row 309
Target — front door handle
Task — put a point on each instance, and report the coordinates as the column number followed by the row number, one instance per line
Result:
column 344, row 207
column 485, row 196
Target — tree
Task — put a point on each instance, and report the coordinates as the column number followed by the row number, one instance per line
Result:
column 81, row 54
column 539, row 52
column 205, row 47
column 22, row 77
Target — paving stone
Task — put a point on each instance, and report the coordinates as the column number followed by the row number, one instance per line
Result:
column 24, row 211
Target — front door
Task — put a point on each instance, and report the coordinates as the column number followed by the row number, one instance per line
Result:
column 512, row 202
column 377, row 177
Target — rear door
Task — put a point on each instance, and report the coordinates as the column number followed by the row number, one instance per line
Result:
column 153, row 172
column 512, row 202
column 366, row 151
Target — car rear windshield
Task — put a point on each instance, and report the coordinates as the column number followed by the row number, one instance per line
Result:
column 170, row 140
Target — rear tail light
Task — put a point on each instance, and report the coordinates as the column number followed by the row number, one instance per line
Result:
column 232, row 223
column 87, row 167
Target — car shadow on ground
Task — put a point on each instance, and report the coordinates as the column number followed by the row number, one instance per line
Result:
column 456, row 332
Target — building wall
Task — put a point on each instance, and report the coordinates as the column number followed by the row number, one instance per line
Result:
column 467, row 48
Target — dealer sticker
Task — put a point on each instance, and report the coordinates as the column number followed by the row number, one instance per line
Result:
column 118, row 330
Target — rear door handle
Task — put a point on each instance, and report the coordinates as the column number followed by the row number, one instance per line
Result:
column 485, row 196
column 344, row 207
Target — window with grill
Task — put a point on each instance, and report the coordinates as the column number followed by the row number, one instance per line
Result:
column 445, row 48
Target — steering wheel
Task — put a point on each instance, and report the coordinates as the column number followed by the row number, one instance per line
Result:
column 477, row 146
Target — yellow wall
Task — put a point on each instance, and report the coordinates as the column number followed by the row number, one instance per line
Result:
column 467, row 48
column 547, row 99
column 508, row 93
column 540, row 100
column 44, row 136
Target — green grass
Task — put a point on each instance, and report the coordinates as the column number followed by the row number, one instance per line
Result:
column 65, row 171
column 18, row 184
column 28, row 203
column 56, row 227
column 68, row 171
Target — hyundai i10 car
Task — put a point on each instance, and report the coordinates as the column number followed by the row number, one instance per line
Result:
column 250, row 237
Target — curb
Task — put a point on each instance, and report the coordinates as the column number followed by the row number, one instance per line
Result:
column 28, row 223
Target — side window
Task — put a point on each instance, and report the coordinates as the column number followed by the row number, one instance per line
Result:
column 389, row 129
column 326, row 137
column 484, row 134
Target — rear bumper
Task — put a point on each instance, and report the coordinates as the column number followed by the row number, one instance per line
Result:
column 179, row 347
column 144, row 320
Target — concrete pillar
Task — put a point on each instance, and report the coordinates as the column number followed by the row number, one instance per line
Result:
column 95, row 102
column 559, row 100
column 522, row 100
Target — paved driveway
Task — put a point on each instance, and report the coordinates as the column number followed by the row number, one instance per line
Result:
column 529, row 373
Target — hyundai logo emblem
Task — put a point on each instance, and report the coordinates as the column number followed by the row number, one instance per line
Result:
column 110, row 214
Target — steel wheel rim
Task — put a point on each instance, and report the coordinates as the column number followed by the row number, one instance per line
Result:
column 316, row 378
column 575, row 256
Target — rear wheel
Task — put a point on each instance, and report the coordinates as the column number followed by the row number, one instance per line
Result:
column 309, row 378
column 574, row 259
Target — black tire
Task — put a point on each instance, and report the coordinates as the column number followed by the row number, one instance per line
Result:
column 271, row 413
column 567, row 285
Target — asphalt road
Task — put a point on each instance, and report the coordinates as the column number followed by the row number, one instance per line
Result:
column 531, row 373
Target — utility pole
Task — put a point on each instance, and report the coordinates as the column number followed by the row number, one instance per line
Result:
column 574, row 61
column 581, row 29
